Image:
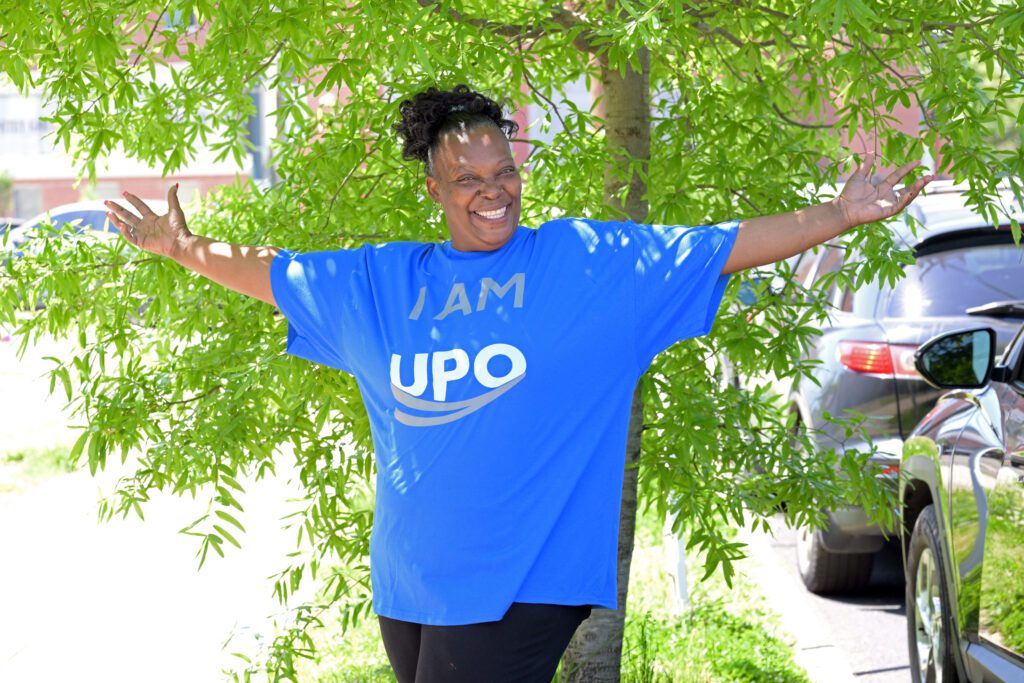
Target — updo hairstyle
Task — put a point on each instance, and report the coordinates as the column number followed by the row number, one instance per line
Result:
column 431, row 114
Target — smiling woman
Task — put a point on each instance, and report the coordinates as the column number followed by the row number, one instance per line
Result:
column 498, row 370
column 463, row 141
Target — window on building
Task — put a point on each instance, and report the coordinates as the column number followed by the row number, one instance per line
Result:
column 188, row 191
column 103, row 189
column 28, row 201
column 181, row 20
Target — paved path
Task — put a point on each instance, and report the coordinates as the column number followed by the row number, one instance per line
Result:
column 849, row 638
column 123, row 601
column 29, row 416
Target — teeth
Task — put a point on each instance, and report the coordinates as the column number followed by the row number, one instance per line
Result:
column 493, row 214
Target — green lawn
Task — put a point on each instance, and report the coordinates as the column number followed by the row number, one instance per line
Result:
column 24, row 468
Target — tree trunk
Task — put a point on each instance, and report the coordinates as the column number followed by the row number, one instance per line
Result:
column 595, row 653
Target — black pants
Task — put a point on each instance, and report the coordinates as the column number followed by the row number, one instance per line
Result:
column 524, row 646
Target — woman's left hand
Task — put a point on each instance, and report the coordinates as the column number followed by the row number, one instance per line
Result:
column 863, row 201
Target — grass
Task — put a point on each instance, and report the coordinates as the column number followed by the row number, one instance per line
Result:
column 727, row 634
column 353, row 656
column 22, row 469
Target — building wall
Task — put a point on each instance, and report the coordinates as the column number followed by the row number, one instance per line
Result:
column 32, row 196
column 44, row 176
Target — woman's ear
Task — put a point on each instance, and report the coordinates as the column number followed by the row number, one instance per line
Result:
column 432, row 189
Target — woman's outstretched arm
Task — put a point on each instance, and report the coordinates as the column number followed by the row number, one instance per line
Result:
column 768, row 239
column 241, row 268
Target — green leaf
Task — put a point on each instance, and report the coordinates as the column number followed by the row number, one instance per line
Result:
column 227, row 535
column 225, row 515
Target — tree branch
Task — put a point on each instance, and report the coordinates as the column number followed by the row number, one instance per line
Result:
column 330, row 207
column 538, row 93
column 705, row 28
column 565, row 18
column 911, row 87
column 782, row 115
column 149, row 39
column 736, row 193
column 992, row 49
column 775, row 107
column 198, row 397
column 746, row 200
column 265, row 63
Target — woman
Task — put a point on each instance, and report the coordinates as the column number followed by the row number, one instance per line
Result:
column 497, row 369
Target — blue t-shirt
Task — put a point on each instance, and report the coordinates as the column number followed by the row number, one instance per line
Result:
column 498, row 386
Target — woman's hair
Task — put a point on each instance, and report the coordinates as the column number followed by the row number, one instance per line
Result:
column 431, row 114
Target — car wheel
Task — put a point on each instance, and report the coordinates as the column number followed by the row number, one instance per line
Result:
column 827, row 572
column 929, row 629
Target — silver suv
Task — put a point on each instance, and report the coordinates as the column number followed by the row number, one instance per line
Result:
column 964, row 271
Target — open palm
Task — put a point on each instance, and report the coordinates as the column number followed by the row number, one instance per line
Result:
column 159, row 234
column 864, row 201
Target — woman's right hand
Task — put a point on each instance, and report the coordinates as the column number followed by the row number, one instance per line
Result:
column 165, row 235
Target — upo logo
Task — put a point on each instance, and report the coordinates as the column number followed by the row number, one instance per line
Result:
column 440, row 368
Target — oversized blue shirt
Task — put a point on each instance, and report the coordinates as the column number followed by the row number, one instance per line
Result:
column 498, row 386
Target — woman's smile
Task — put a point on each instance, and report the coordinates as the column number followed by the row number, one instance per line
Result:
column 494, row 215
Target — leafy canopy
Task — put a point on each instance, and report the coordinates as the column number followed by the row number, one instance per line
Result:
column 195, row 378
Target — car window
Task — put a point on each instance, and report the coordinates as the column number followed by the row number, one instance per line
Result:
column 846, row 303
column 88, row 220
column 831, row 261
column 863, row 300
column 803, row 267
column 1013, row 357
column 950, row 282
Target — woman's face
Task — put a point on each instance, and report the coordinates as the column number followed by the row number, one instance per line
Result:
column 475, row 179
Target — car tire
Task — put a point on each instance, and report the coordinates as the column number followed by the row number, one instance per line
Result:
column 929, row 623
column 825, row 572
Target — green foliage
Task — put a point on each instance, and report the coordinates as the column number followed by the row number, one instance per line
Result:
column 24, row 468
column 195, row 378
column 726, row 634
column 6, row 184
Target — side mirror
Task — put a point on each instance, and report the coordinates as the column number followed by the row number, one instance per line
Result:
column 958, row 360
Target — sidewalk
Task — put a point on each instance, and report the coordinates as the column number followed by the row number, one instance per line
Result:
column 814, row 647
column 119, row 602
column 123, row 601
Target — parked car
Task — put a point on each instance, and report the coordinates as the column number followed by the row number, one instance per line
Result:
column 6, row 223
column 76, row 219
column 965, row 269
column 80, row 220
column 962, row 500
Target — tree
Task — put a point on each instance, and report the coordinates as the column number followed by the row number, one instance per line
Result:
column 708, row 110
column 5, row 193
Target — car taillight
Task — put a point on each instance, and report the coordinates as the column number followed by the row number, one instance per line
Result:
column 879, row 358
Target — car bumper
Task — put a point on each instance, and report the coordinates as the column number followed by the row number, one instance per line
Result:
column 849, row 530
